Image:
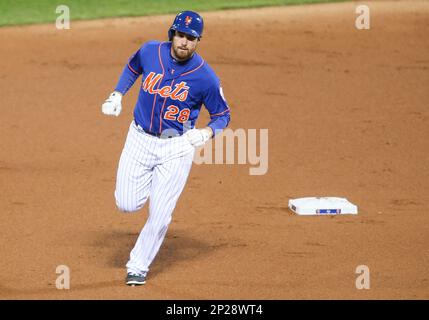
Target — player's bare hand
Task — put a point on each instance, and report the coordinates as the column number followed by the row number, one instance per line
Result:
column 113, row 104
column 198, row 137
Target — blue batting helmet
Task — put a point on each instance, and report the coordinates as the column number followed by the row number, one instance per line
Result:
column 188, row 22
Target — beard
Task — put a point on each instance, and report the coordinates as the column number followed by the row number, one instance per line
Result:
column 181, row 53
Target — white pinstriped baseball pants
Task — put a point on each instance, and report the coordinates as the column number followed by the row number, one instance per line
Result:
column 153, row 168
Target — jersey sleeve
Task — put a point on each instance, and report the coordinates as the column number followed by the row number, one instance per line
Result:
column 131, row 72
column 135, row 62
column 217, row 107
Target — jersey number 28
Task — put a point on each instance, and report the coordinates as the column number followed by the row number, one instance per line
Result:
column 172, row 112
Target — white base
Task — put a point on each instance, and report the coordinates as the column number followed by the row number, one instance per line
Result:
column 322, row 206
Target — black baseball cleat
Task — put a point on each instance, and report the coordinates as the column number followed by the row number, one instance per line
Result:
column 135, row 279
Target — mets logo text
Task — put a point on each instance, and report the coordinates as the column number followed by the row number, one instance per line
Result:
column 180, row 91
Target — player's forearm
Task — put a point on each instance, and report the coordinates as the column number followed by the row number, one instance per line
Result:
column 219, row 123
column 126, row 80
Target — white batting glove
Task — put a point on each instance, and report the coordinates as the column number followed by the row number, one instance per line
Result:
column 198, row 137
column 112, row 106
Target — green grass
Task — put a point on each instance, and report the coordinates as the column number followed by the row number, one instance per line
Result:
column 16, row 12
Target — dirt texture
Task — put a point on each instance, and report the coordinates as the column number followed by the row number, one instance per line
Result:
column 347, row 113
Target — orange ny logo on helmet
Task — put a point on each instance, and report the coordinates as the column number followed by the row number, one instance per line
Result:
column 188, row 20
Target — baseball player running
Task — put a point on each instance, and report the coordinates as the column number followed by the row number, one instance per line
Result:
column 161, row 140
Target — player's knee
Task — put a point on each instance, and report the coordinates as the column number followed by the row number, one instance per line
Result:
column 127, row 208
column 126, row 205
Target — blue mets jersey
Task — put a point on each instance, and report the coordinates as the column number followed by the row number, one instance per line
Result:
column 172, row 92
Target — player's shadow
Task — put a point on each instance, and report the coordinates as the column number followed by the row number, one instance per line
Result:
column 177, row 246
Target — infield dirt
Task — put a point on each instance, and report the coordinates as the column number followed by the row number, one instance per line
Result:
column 347, row 113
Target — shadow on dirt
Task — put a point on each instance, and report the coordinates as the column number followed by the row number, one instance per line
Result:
column 178, row 246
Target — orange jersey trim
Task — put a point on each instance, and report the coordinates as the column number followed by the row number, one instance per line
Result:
column 219, row 114
column 129, row 67
column 184, row 74
column 162, row 109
